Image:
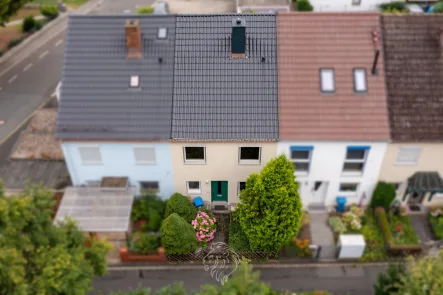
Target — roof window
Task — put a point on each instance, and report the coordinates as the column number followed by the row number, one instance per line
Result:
column 327, row 80
column 135, row 82
column 360, row 80
column 162, row 33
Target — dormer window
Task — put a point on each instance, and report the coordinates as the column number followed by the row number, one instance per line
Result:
column 162, row 33
column 360, row 85
column 135, row 82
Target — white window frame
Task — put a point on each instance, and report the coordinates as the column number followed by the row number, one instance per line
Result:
column 134, row 81
column 348, row 192
column 355, row 71
column 160, row 32
column 326, row 71
column 363, row 161
column 193, row 191
column 193, row 161
column 405, row 148
column 99, row 162
column 295, row 161
column 144, row 162
column 238, row 187
column 249, row 162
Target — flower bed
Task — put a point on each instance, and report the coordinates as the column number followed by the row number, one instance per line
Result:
column 399, row 237
column 298, row 246
column 436, row 221
column 157, row 256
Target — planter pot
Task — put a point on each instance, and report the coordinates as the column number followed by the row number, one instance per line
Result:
column 159, row 256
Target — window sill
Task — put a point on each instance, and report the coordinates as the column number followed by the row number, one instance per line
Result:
column 348, row 194
column 145, row 163
column 344, row 173
column 406, row 164
column 195, row 162
column 194, row 192
column 248, row 162
column 301, row 173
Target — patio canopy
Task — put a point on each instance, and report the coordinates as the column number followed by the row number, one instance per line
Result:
column 425, row 182
column 97, row 210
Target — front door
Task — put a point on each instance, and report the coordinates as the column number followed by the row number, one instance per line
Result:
column 318, row 192
column 415, row 198
column 219, row 191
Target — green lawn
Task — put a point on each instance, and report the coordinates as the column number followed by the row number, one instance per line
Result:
column 74, row 4
column 402, row 231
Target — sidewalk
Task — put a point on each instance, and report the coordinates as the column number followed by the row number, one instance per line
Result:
column 20, row 21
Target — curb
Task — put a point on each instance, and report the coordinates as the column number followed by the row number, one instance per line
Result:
column 46, row 28
column 256, row 266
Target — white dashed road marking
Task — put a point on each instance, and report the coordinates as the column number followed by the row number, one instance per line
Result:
column 43, row 54
column 58, row 42
column 12, row 79
column 27, row 67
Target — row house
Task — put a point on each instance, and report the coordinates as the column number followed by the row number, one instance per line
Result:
column 195, row 104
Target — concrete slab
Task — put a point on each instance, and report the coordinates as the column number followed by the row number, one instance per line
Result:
column 322, row 235
column 330, row 272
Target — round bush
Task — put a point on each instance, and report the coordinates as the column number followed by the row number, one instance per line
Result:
column 178, row 236
column 303, row 5
column 28, row 24
column 49, row 11
column 145, row 10
column 39, row 24
column 179, row 204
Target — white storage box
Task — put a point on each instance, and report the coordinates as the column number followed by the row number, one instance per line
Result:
column 351, row 246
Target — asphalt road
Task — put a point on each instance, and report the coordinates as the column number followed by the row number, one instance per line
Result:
column 336, row 280
column 26, row 84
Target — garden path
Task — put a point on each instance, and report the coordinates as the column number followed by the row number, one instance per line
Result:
column 421, row 227
column 322, row 235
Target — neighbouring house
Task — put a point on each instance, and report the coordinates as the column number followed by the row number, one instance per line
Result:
column 116, row 99
column 332, row 104
column 349, row 5
column 225, row 107
column 413, row 48
column 33, row 155
column 262, row 6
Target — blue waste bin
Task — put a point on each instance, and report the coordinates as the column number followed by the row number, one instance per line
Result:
column 341, row 202
column 198, row 202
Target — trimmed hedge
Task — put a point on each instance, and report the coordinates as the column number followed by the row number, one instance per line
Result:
column 393, row 249
column 178, row 236
column 180, row 204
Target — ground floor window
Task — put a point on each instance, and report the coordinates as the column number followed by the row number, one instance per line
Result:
column 149, row 187
column 241, row 186
column 348, row 187
column 193, row 187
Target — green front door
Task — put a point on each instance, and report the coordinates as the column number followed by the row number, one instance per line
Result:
column 219, row 191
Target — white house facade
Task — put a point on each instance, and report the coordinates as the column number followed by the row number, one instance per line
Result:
column 327, row 170
column 347, row 5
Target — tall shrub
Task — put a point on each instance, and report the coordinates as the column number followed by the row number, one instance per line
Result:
column 28, row 24
column 270, row 208
column 180, row 204
column 303, row 5
column 177, row 236
column 49, row 11
column 383, row 195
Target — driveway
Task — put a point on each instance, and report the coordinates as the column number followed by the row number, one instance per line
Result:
column 201, row 6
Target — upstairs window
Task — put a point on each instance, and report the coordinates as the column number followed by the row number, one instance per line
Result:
column 301, row 158
column 90, row 154
column 144, row 155
column 360, row 85
column 355, row 159
column 249, row 155
column 356, row 2
column 327, row 80
column 408, row 155
column 194, row 154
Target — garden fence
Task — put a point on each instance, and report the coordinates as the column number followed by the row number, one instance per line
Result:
column 210, row 256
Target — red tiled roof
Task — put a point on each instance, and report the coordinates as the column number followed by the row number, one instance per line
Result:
column 310, row 41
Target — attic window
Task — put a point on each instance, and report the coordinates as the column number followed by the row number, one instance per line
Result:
column 162, row 33
column 360, row 80
column 135, row 82
column 327, row 81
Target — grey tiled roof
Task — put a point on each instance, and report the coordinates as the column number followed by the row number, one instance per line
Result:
column 96, row 102
column 219, row 98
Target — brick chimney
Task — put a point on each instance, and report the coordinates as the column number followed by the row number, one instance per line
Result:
column 133, row 39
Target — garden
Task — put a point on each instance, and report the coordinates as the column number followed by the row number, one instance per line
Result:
column 385, row 226
column 436, row 222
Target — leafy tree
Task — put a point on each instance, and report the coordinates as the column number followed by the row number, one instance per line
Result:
column 9, row 8
column 423, row 276
column 383, row 195
column 180, row 204
column 178, row 236
column 37, row 257
column 270, row 207
column 303, row 5
column 388, row 283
